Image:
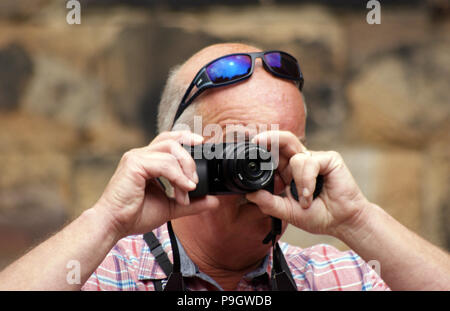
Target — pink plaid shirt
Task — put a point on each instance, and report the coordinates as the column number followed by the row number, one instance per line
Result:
column 131, row 266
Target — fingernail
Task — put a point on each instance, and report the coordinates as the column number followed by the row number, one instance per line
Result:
column 306, row 192
column 195, row 178
column 197, row 138
column 192, row 184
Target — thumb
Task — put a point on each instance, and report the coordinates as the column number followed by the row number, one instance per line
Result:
column 270, row 204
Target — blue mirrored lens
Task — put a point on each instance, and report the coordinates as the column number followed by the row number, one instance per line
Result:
column 229, row 68
column 273, row 59
column 282, row 64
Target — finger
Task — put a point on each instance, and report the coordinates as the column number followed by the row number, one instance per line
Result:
column 328, row 161
column 270, row 204
column 283, row 145
column 159, row 164
column 286, row 142
column 283, row 162
column 279, row 184
column 199, row 205
column 181, row 196
column 311, row 170
column 297, row 164
column 285, row 171
column 183, row 137
column 184, row 158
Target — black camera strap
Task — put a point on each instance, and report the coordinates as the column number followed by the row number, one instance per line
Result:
column 175, row 280
column 281, row 277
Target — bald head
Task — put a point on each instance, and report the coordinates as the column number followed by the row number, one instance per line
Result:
column 261, row 99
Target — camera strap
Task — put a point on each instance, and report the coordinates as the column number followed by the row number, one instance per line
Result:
column 281, row 277
column 160, row 255
column 175, row 280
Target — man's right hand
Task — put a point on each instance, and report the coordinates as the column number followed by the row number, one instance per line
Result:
column 135, row 203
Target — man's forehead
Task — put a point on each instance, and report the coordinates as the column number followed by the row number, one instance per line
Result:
column 237, row 132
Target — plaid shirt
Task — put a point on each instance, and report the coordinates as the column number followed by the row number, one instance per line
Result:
column 131, row 266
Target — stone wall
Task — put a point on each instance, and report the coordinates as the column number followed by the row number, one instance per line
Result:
column 73, row 98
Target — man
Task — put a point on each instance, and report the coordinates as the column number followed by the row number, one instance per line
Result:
column 219, row 237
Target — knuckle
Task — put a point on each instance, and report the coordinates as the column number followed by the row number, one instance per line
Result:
column 129, row 156
column 170, row 142
column 166, row 169
column 170, row 167
column 174, row 146
column 178, row 134
column 171, row 160
column 289, row 134
column 168, row 164
column 180, row 153
column 312, row 163
column 131, row 162
column 160, row 137
column 335, row 155
column 296, row 159
column 164, row 134
column 293, row 160
column 171, row 147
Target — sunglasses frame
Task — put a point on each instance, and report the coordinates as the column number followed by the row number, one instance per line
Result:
column 203, row 82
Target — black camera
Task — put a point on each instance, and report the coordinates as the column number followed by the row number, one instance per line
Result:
column 232, row 168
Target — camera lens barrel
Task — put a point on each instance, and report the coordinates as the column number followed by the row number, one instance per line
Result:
column 242, row 167
column 202, row 188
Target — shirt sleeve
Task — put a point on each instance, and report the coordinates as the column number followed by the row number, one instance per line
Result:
column 372, row 279
column 325, row 268
column 116, row 272
column 92, row 284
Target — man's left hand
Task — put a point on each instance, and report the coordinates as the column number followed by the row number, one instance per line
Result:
column 340, row 202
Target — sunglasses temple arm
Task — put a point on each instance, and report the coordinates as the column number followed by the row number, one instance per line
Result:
column 202, row 82
column 186, row 94
column 184, row 105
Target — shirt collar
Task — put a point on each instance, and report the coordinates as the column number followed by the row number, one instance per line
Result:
column 150, row 270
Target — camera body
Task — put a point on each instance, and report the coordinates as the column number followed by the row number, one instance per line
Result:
column 232, row 168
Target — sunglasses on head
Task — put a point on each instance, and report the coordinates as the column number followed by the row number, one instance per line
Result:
column 236, row 67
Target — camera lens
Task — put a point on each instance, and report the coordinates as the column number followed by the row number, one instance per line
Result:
column 243, row 167
column 252, row 169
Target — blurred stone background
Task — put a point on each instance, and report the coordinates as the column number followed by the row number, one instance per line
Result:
column 74, row 98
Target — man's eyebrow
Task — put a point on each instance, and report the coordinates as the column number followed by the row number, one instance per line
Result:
column 247, row 135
